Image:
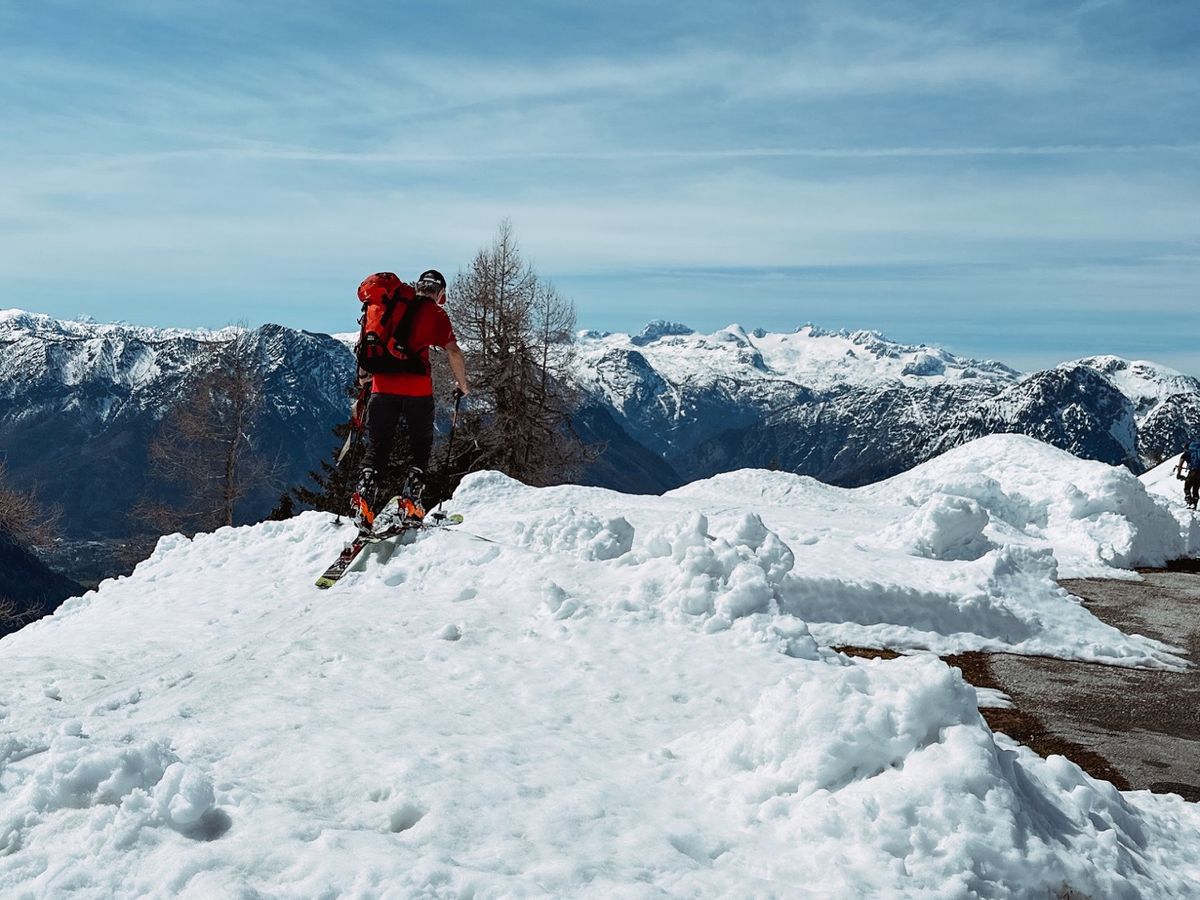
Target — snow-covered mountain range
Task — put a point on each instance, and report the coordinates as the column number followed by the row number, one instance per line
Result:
column 581, row 693
column 79, row 401
column 850, row 408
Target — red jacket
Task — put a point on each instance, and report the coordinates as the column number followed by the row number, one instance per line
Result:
column 430, row 328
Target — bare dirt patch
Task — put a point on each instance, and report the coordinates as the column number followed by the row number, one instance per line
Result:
column 1136, row 728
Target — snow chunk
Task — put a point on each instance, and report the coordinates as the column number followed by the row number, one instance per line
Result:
column 183, row 795
column 140, row 785
column 720, row 580
column 829, row 727
column 943, row 527
column 558, row 602
column 579, row 533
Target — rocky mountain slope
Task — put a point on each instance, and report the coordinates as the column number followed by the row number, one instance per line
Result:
column 852, row 408
column 79, row 403
column 29, row 589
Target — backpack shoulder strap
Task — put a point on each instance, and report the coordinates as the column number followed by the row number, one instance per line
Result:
column 403, row 330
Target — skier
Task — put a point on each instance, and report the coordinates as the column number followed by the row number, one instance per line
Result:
column 1191, row 482
column 407, row 396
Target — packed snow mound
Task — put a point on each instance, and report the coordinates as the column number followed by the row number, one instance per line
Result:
column 828, row 761
column 1095, row 517
column 579, row 693
column 962, row 552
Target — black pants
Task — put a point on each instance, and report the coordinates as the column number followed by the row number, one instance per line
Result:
column 384, row 412
column 1191, row 487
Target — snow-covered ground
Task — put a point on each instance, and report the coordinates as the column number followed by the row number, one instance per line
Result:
column 1162, row 481
column 582, row 693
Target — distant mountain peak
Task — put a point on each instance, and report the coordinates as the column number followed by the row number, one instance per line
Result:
column 660, row 328
column 17, row 323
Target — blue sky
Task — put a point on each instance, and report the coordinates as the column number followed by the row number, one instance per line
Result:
column 1010, row 180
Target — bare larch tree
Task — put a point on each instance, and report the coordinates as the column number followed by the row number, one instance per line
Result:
column 205, row 447
column 517, row 332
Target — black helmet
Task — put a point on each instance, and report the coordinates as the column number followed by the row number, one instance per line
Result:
column 434, row 276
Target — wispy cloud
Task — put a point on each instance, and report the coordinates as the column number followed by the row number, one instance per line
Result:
column 235, row 144
column 258, row 151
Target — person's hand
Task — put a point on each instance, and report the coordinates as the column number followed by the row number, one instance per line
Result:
column 460, row 392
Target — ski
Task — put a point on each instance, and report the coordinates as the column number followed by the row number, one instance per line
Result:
column 349, row 554
column 364, row 539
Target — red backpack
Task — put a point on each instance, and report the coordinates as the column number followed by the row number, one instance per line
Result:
column 389, row 309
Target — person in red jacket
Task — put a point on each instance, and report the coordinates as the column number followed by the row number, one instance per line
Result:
column 408, row 398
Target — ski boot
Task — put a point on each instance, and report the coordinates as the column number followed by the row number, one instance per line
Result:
column 390, row 519
column 411, row 503
column 403, row 511
column 362, row 500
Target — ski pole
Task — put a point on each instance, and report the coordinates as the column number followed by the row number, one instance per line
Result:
column 458, row 395
column 358, row 415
